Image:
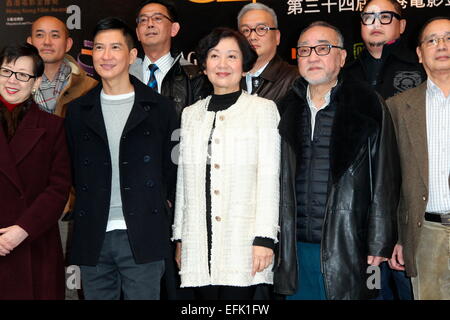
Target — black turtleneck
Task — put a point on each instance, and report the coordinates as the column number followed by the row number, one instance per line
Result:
column 220, row 102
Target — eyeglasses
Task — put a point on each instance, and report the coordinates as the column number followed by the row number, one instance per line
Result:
column 156, row 18
column 260, row 30
column 321, row 50
column 385, row 17
column 24, row 77
column 434, row 41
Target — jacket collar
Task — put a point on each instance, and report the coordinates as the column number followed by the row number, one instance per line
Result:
column 357, row 115
column 415, row 121
column 144, row 100
column 271, row 72
column 397, row 49
column 25, row 139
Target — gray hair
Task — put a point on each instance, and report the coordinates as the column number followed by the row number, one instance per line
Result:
column 257, row 6
column 326, row 25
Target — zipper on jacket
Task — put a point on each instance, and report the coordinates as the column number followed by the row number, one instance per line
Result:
column 308, row 188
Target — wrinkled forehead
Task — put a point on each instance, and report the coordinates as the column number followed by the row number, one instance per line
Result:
column 50, row 24
column 436, row 28
column 153, row 8
column 254, row 17
column 318, row 35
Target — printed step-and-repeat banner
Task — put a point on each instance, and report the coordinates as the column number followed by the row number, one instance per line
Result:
column 198, row 17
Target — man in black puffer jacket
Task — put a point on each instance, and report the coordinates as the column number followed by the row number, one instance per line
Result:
column 339, row 178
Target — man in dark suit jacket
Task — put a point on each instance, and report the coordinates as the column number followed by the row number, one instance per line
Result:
column 119, row 137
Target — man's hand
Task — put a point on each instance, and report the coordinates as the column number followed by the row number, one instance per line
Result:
column 178, row 255
column 10, row 238
column 397, row 262
column 262, row 258
column 375, row 260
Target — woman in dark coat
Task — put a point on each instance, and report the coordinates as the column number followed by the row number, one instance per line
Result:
column 34, row 182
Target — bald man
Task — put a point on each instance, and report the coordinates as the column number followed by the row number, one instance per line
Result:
column 63, row 79
column 62, row 82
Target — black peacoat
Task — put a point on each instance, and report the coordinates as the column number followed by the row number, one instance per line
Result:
column 147, row 174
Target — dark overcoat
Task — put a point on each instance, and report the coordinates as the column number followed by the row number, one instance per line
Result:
column 147, row 174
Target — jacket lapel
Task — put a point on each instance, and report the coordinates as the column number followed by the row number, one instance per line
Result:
column 415, row 120
column 354, row 121
column 94, row 117
column 27, row 135
column 143, row 102
column 137, row 115
column 8, row 163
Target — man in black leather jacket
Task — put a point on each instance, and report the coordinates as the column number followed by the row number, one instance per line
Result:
column 176, row 78
column 339, row 178
column 387, row 64
column 390, row 67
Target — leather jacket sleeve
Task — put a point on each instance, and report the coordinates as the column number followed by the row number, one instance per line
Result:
column 382, row 224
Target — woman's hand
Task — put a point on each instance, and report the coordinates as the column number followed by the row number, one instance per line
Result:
column 262, row 258
column 10, row 238
column 178, row 255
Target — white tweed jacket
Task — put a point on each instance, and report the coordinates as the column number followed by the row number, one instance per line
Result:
column 245, row 164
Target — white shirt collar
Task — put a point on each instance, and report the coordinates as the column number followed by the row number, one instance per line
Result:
column 327, row 98
column 164, row 63
column 432, row 88
column 249, row 76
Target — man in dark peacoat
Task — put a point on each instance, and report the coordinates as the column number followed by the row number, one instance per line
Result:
column 124, row 176
column 147, row 174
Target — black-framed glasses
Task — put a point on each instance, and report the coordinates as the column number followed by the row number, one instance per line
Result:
column 156, row 18
column 260, row 30
column 21, row 76
column 385, row 17
column 434, row 41
column 321, row 50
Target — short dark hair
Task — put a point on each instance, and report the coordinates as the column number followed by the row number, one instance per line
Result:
column 169, row 5
column 325, row 25
column 249, row 55
column 113, row 23
column 421, row 31
column 13, row 52
column 397, row 6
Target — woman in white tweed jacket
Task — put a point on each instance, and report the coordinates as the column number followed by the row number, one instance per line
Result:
column 226, row 211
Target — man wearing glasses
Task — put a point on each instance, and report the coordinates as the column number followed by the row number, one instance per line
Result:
column 339, row 177
column 164, row 71
column 422, row 121
column 390, row 67
column 270, row 77
column 387, row 64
